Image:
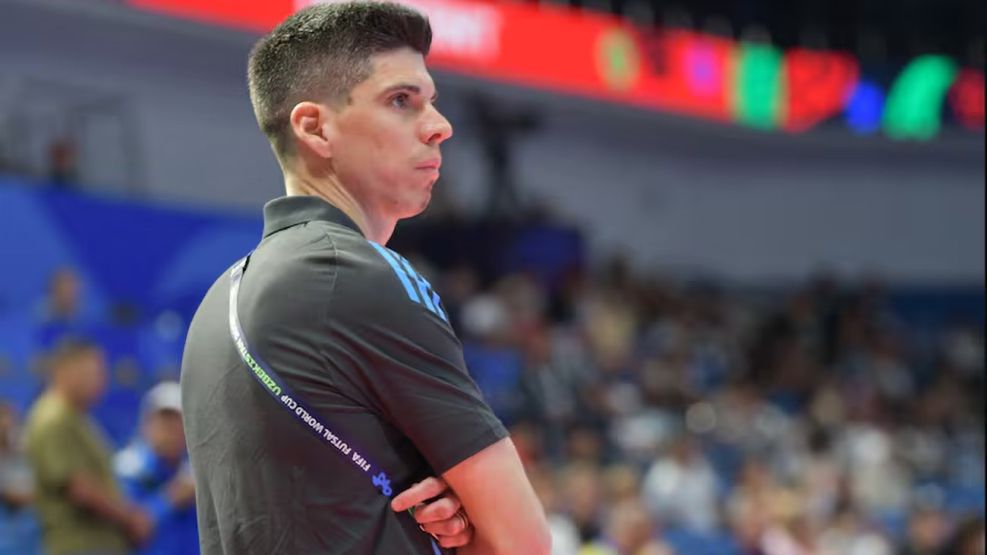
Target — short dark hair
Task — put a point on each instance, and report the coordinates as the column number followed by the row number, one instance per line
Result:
column 321, row 53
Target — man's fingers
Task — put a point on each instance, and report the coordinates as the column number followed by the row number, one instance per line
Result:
column 459, row 540
column 449, row 527
column 441, row 509
column 419, row 493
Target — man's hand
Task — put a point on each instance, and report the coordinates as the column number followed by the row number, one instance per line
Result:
column 138, row 527
column 443, row 517
column 181, row 490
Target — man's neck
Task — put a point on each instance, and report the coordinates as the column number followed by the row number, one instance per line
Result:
column 375, row 228
column 62, row 393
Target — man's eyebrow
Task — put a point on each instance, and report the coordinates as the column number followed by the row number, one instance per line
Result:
column 407, row 87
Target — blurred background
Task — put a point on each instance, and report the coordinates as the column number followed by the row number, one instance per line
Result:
column 719, row 266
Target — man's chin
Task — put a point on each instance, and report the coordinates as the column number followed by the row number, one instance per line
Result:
column 424, row 204
column 412, row 210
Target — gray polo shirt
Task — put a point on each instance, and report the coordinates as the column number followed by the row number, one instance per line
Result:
column 356, row 332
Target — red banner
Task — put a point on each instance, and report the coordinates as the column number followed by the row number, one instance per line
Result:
column 575, row 52
column 259, row 16
column 967, row 99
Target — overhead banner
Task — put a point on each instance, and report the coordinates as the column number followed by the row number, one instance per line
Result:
column 605, row 57
column 260, row 16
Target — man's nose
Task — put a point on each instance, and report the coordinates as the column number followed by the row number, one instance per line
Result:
column 436, row 129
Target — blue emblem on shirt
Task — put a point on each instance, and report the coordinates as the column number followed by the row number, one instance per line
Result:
column 417, row 287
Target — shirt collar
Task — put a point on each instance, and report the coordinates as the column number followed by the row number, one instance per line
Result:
column 284, row 212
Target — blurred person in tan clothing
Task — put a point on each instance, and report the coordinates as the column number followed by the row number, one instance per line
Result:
column 78, row 500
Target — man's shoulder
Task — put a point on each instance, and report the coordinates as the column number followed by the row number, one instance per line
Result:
column 52, row 425
column 323, row 265
column 383, row 283
column 316, row 260
column 48, row 413
column 317, row 245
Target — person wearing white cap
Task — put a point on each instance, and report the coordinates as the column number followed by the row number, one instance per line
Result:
column 154, row 472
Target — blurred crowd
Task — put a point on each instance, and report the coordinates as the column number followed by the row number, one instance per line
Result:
column 655, row 417
column 659, row 417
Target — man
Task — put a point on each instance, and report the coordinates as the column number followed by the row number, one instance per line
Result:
column 81, row 510
column 154, row 473
column 328, row 312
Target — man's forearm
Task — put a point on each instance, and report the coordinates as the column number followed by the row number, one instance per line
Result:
column 87, row 493
column 501, row 503
column 476, row 547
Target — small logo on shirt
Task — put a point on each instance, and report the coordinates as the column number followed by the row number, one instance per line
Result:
column 417, row 287
column 382, row 482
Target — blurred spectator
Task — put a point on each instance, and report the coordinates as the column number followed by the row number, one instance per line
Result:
column 789, row 535
column 849, row 534
column 78, row 499
column 15, row 476
column 622, row 482
column 879, row 481
column 155, row 474
column 680, row 488
column 487, row 349
column 968, row 538
column 582, row 485
column 928, row 529
column 565, row 535
column 554, row 377
column 629, row 531
column 609, row 323
column 61, row 311
column 819, row 478
column 963, row 349
column 63, row 161
column 19, row 532
column 63, row 296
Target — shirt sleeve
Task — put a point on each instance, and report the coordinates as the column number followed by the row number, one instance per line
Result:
column 389, row 327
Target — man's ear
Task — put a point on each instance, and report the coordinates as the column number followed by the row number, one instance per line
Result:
column 312, row 125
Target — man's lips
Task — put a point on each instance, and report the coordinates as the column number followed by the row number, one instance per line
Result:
column 431, row 164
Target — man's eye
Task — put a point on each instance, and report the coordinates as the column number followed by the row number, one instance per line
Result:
column 401, row 101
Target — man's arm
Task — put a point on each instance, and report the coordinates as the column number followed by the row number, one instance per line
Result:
column 436, row 507
column 387, row 320
column 501, row 503
column 53, row 454
column 87, row 493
